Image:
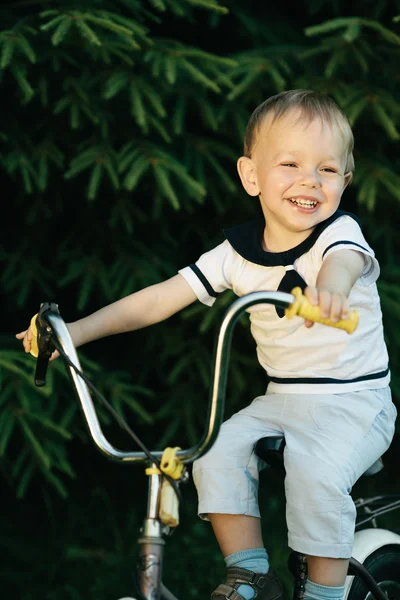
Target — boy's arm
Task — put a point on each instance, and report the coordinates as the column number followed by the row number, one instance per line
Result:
column 339, row 272
column 145, row 307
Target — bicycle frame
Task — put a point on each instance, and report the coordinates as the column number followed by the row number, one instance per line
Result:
column 151, row 541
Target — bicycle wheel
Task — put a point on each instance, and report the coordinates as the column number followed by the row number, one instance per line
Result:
column 384, row 566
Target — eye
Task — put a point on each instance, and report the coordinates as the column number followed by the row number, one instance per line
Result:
column 289, row 165
column 329, row 170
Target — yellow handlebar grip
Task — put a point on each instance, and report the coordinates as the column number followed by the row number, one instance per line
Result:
column 302, row 307
column 34, row 345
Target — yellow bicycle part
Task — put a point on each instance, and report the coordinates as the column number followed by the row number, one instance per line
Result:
column 303, row 308
column 34, row 345
column 172, row 466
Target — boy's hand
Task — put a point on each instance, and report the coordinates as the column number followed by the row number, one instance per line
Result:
column 26, row 337
column 333, row 305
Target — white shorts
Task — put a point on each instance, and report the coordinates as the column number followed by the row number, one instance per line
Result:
column 331, row 440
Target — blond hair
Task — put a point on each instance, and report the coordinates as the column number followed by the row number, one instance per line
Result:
column 311, row 105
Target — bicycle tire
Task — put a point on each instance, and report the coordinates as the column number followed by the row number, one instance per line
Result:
column 384, row 566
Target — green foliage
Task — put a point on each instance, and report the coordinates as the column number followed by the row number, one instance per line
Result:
column 122, row 121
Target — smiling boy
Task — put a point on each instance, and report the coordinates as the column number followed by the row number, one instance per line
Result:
column 300, row 179
column 328, row 392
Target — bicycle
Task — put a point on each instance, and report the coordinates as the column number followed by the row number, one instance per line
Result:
column 374, row 568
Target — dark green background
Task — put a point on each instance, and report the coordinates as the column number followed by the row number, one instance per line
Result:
column 121, row 123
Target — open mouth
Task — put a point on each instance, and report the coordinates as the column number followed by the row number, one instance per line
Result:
column 303, row 203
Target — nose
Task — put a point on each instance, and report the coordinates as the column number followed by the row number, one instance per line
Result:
column 310, row 179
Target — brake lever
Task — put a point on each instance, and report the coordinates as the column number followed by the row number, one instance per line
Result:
column 44, row 346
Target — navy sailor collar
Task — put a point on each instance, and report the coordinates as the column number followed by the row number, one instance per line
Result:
column 246, row 239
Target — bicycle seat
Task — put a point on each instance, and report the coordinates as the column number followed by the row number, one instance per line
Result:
column 270, row 450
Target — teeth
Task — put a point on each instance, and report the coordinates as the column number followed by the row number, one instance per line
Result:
column 306, row 203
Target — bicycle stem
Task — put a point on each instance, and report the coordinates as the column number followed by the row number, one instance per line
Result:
column 151, row 544
column 216, row 403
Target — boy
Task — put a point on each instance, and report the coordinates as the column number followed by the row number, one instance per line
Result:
column 328, row 391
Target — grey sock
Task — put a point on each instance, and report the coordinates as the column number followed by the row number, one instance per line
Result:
column 315, row 591
column 254, row 559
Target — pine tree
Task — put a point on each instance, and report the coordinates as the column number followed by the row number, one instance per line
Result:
column 121, row 124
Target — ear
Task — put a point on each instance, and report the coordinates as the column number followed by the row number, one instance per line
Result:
column 347, row 179
column 248, row 175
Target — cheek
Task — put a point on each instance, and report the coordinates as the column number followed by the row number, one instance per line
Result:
column 282, row 180
column 334, row 188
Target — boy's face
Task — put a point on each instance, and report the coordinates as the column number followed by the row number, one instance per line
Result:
column 298, row 171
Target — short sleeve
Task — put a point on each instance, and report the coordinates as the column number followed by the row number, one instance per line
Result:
column 345, row 233
column 212, row 273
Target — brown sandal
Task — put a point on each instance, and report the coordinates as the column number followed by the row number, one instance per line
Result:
column 266, row 585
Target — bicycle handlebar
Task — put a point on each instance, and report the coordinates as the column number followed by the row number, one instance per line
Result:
column 51, row 321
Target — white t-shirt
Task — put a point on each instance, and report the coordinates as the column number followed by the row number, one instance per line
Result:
column 297, row 359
